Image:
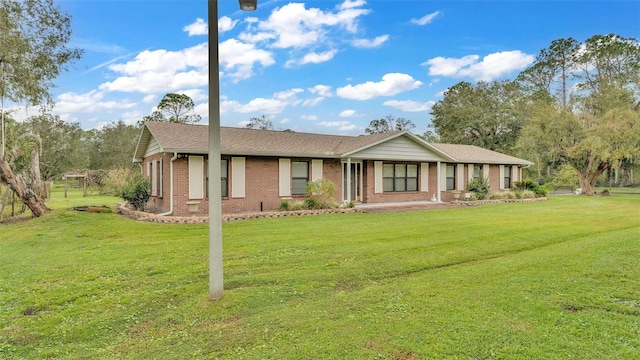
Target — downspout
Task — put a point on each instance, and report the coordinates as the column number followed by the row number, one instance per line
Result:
column 175, row 156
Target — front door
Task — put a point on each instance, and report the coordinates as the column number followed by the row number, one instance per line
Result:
column 351, row 181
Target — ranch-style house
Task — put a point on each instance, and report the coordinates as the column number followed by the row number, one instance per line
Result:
column 260, row 168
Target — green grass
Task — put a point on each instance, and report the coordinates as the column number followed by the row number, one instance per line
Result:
column 549, row 280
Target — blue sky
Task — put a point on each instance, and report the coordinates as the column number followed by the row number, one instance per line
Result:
column 311, row 66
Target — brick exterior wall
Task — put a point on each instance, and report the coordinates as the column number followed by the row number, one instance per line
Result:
column 370, row 195
column 262, row 185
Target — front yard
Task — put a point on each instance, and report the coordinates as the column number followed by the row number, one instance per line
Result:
column 553, row 279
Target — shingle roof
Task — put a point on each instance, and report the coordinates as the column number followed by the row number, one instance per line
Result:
column 477, row 155
column 174, row 137
column 188, row 138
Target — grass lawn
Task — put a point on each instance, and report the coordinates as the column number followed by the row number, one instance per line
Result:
column 550, row 280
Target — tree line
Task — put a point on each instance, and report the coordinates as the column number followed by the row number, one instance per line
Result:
column 576, row 105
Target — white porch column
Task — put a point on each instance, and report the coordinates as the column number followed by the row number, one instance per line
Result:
column 439, row 187
column 348, row 179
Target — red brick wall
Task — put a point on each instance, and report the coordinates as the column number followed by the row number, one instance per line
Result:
column 159, row 203
column 369, row 186
column 262, row 184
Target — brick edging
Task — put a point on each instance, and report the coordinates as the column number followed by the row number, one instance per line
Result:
column 124, row 210
column 481, row 202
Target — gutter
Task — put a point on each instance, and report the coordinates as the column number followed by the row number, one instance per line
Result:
column 175, row 156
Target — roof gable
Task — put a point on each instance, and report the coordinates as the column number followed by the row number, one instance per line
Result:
column 402, row 146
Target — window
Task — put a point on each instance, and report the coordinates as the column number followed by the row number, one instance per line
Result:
column 300, row 177
column 477, row 171
column 224, row 177
column 507, row 177
column 400, row 177
column 451, row 177
column 159, row 178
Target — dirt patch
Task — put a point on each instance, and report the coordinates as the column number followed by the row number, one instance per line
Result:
column 94, row 209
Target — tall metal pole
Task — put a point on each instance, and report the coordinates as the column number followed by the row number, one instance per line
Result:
column 216, row 287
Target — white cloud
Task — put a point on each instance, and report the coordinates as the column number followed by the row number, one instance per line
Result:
column 391, row 84
column 313, row 101
column 313, row 58
column 200, row 27
column 278, row 102
column 427, row 19
column 149, row 99
column 449, row 66
column 492, row 66
column 321, row 90
column 195, row 94
column 225, row 24
column 343, row 126
column 409, row 105
column 367, row 44
column 347, row 113
column 295, row 26
column 309, row 117
column 350, row 4
column 239, row 58
column 91, row 102
column 152, row 72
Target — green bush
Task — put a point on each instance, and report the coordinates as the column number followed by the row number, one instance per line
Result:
column 530, row 185
column 479, row 186
column 285, row 205
column 136, row 192
column 116, row 180
column 321, row 194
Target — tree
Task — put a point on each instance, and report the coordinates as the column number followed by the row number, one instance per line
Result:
column 175, row 108
column 590, row 142
column 261, row 123
column 389, row 124
column 60, row 143
column 488, row 114
column 598, row 128
column 33, row 51
column 552, row 65
column 112, row 146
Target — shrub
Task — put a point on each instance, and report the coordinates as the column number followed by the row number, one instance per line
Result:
column 285, row 205
column 136, row 192
column 321, row 194
column 528, row 194
column 479, row 186
column 115, row 180
column 349, row 204
column 525, row 185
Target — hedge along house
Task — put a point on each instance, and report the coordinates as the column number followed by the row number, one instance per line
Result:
column 260, row 168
